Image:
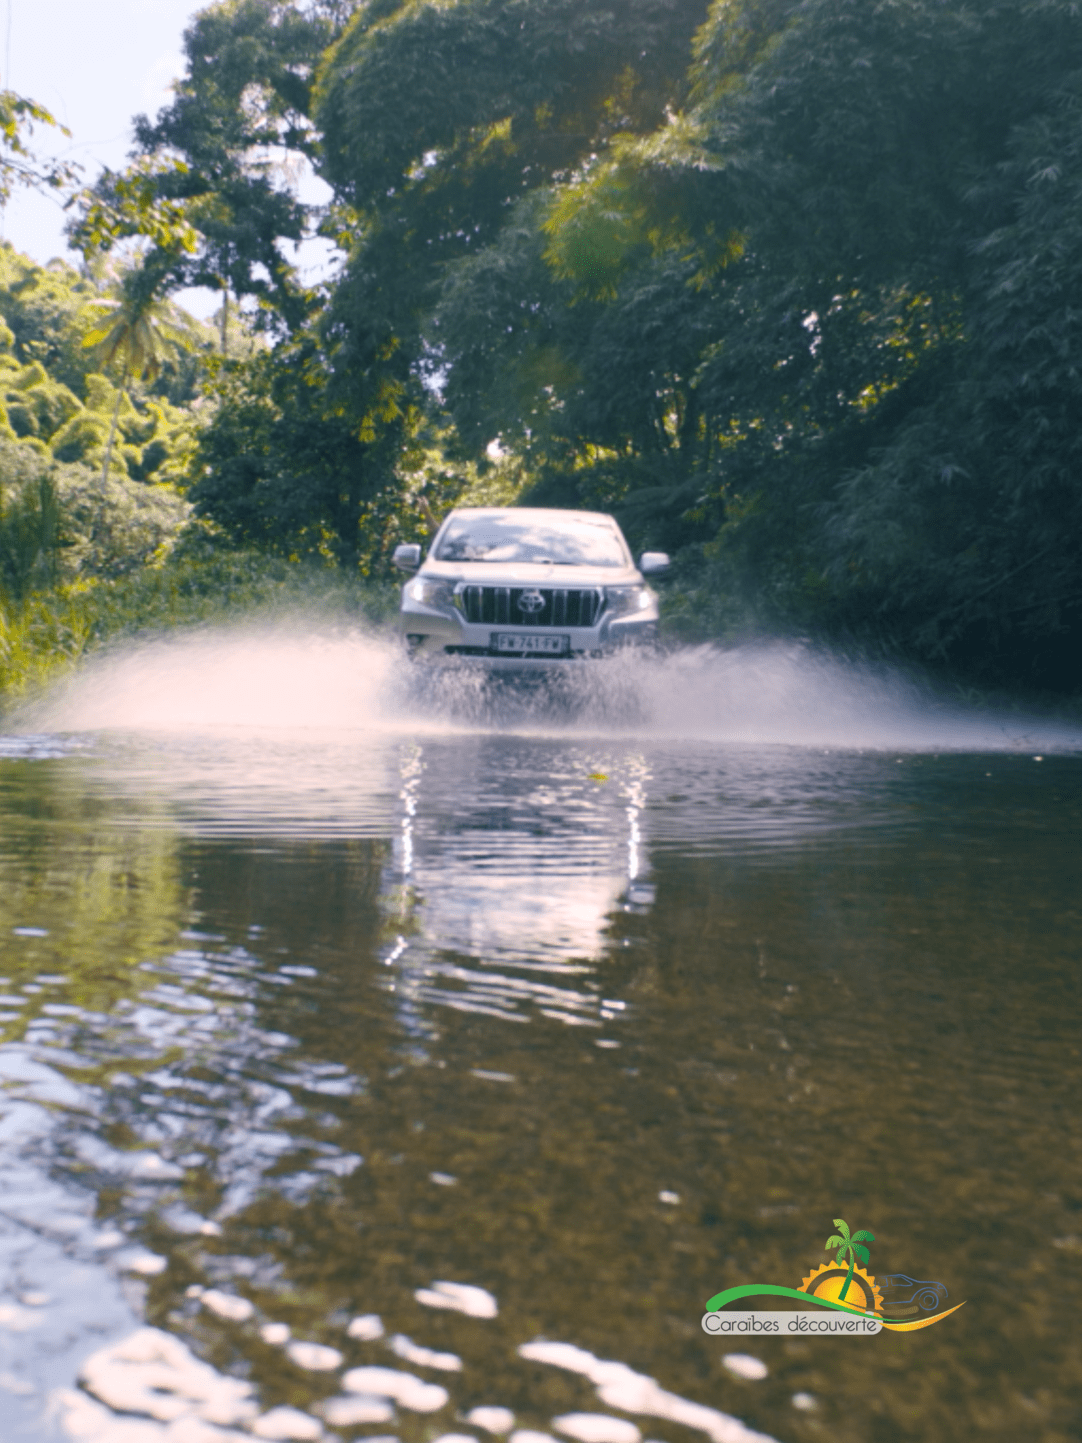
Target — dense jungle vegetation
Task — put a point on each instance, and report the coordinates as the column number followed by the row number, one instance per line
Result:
column 791, row 286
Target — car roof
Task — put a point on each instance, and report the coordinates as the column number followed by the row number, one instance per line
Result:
column 591, row 518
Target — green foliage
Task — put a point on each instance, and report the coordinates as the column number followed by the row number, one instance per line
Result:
column 934, row 489
column 455, row 109
column 817, row 326
column 39, row 640
column 18, row 163
column 48, row 309
column 441, row 124
column 53, row 400
column 129, row 204
column 240, row 122
column 599, row 396
column 43, row 307
column 791, row 287
column 156, row 439
column 281, row 466
column 35, row 404
column 116, row 532
column 30, row 537
column 60, row 526
column 134, row 334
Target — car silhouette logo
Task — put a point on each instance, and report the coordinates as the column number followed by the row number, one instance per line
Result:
column 904, row 1289
column 531, row 602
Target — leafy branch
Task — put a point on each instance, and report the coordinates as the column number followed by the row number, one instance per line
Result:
column 19, row 165
column 128, row 204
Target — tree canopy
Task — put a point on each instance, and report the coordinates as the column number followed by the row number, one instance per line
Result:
column 241, row 125
column 819, row 318
column 788, row 284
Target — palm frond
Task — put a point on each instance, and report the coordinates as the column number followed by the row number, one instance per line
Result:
column 833, row 1242
column 861, row 1252
column 136, row 336
column 844, row 1226
column 97, row 334
column 864, row 1237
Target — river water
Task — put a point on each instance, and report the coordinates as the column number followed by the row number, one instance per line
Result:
column 483, row 1035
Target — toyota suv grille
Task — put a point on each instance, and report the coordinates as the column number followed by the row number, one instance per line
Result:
column 532, row 605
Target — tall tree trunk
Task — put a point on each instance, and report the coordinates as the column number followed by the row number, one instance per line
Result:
column 225, row 318
column 689, row 428
column 112, row 433
column 121, row 393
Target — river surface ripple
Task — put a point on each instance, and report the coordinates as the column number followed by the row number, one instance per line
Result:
column 300, row 1027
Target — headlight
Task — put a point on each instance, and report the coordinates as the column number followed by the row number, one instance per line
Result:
column 430, row 592
column 628, row 600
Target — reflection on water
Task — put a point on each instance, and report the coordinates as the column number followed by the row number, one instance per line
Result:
column 425, row 1077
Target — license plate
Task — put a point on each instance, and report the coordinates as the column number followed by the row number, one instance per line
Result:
column 530, row 642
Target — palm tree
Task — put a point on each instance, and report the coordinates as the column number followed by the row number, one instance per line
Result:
column 134, row 332
column 851, row 1244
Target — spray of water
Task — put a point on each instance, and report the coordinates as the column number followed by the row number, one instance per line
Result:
column 297, row 677
column 282, row 678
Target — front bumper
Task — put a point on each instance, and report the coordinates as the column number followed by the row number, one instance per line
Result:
column 442, row 634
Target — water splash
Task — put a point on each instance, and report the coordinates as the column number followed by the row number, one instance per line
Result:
column 287, row 678
column 797, row 695
column 295, row 678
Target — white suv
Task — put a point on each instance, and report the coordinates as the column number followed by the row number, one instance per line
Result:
column 521, row 586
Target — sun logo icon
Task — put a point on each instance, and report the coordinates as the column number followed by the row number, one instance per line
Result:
column 837, row 1283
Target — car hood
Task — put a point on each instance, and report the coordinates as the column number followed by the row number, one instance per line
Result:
column 498, row 573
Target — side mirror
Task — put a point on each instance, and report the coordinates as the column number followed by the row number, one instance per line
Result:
column 653, row 563
column 407, row 557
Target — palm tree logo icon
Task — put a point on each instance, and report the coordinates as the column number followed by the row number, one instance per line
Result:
column 829, row 1281
column 851, row 1244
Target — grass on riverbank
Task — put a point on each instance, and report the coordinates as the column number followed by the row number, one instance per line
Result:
column 46, row 634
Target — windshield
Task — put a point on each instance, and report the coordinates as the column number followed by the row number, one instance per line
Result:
column 521, row 538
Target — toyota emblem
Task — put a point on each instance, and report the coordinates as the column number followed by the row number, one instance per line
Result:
column 531, row 602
